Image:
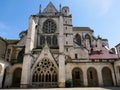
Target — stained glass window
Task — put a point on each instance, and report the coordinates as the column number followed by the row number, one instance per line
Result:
column 49, row 26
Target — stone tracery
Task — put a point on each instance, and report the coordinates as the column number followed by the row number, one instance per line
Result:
column 45, row 73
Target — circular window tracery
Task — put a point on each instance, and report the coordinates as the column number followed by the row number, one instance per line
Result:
column 45, row 73
column 49, row 26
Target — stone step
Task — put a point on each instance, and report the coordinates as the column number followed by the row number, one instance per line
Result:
column 81, row 88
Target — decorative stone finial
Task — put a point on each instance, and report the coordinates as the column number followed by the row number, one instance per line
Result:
column 60, row 7
column 40, row 8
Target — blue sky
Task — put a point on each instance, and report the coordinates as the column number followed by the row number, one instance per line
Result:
column 103, row 16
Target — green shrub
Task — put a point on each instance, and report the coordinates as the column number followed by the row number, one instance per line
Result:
column 69, row 83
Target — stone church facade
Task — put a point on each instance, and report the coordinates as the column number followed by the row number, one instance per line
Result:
column 53, row 53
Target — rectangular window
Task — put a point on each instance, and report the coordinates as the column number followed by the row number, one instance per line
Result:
column 66, row 42
column 66, row 21
column 67, row 49
column 8, row 54
column 76, row 56
column 66, row 28
column 66, row 35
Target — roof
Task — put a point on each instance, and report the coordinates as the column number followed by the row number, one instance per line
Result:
column 12, row 41
column 105, row 54
column 82, row 29
column 117, row 45
column 104, row 39
column 3, row 39
column 50, row 8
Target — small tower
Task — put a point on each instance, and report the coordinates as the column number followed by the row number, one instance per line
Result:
column 65, row 11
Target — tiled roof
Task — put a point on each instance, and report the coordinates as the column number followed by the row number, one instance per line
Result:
column 104, row 54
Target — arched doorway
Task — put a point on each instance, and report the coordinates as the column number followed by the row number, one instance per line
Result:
column 92, row 77
column 45, row 74
column 16, row 77
column 107, row 76
column 77, row 77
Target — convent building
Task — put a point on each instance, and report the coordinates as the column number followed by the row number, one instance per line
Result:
column 54, row 53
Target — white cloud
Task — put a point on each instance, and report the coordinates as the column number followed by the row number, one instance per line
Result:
column 105, row 6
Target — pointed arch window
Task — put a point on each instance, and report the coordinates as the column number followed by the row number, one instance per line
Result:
column 45, row 74
column 78, row 39
column 49, row 26
column 42, row 40
column 54, row 41
column 49, row 40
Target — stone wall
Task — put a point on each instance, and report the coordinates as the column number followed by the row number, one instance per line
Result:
column 2, row 48
column 84, row 68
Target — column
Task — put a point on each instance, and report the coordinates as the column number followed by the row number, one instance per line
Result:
column 26, row 68
column 85, row 80
column 117, row 75
column 100, row 79
column 61, row 54
column 61, row 71
column 113, row 76
column 117, row 72
column 2, row 71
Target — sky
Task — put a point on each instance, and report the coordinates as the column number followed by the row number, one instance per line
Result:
column 102, row 16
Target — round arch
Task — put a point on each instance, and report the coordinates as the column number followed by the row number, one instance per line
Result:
column 77, row 77
column 92, row 77
column 107, row 77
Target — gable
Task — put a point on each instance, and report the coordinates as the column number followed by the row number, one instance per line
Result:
column 50, row 8
column 45, row 54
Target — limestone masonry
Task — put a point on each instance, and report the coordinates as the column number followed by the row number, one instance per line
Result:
column 53, row 53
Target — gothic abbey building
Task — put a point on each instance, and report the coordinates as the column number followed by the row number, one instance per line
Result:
column 53, row 53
